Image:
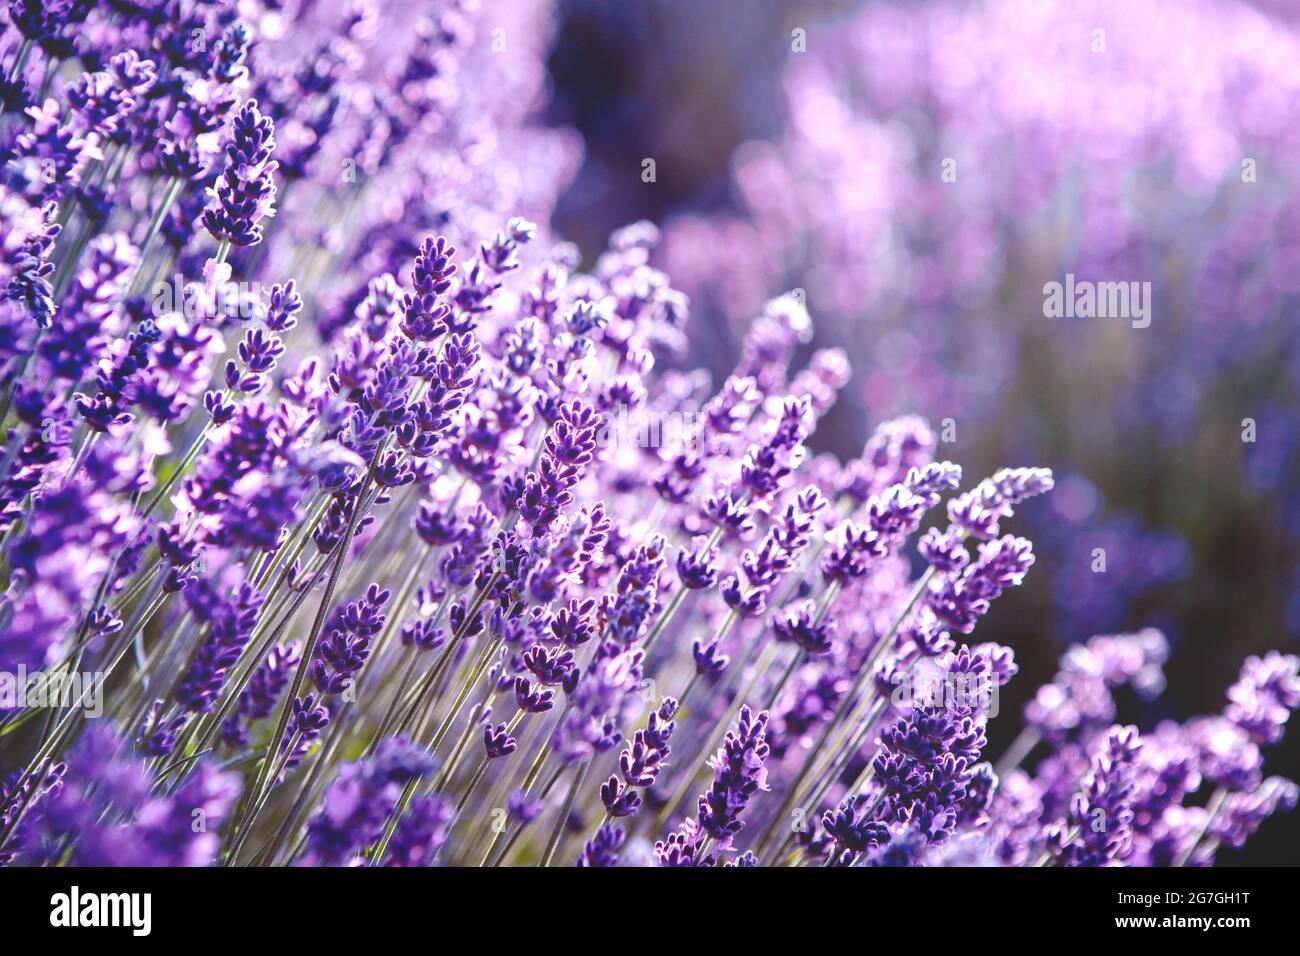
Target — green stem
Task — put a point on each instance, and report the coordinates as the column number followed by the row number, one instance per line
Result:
column 1211, row 811
column 20, row 60
column 169, row 197
column 557, row 832
column 262, row 783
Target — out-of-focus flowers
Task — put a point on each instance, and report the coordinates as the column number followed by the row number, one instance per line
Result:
column 936, row 164
column 397, row 558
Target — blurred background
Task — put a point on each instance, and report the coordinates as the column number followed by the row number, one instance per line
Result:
column 920, row 170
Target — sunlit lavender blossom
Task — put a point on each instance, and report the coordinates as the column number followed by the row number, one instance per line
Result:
column 371, row 574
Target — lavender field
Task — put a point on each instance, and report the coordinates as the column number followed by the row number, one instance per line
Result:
column 509, row 433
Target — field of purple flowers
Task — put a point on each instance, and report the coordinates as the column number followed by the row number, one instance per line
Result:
column 349, row 516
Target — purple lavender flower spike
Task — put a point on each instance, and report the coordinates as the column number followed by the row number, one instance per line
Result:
column 1103, row 811
column 738, row 773
column 709, row 661
column 103, row 813
column 602, row 849
column 852, row 828
column 1242, row 814
column 421, row 832
column 358, row 802
column 342, row 653
column 435, row 395
column 231, row 621
column 800, row 626
column 245, row 192
column 685, row 847
column 425, row 315
column 1265, row 695
column 696, row 569
column 497, row 741
column 566, row 452
column 267, row 684
column 161, row 731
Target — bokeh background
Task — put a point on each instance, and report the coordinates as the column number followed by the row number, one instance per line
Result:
column 803, row 146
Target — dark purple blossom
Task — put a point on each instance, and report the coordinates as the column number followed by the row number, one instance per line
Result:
column 567, row 450
column 738, row 773
column 245, row 192
column 358, row 802
column 348, row 633
column 602, row 849
column 1102, row 812
column 230, row 621
column 421, row 831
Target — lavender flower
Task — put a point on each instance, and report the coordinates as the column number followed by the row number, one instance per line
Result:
column 143, row 830
column 342, row 653
column 738, row 773
column 640, row 762
column 230, row 622
column 411, row 459
column 245, row 193
column 851, row 826
column 265, row 687
column 565, row 453
column 358, row 802
column 602, row 849
column 1103, row 810
column 1264, row 696
column 421, row 832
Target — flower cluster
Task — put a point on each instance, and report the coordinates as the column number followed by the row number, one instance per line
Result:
column 890, row 192
column 390, row 524
column 245, row 193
